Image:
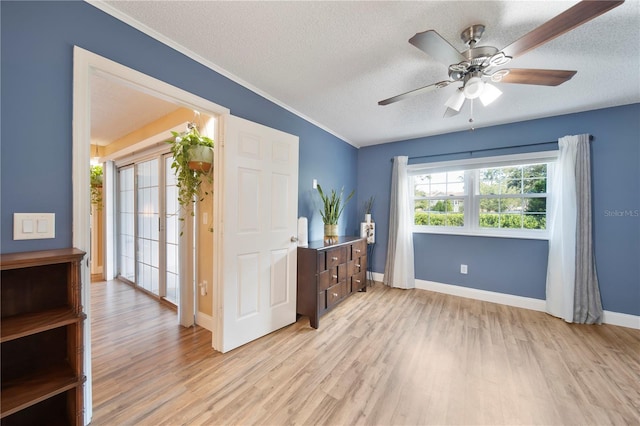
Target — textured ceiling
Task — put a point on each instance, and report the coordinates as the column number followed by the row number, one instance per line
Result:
column 332, row 61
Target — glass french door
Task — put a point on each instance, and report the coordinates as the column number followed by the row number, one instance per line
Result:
column 172, row 232
column 148, row 227
column 126, row 222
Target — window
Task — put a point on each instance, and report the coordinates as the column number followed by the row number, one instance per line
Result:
column 498, row 196
column 439, row 199
column 513, row 197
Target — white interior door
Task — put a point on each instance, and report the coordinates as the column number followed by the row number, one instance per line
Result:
column 257, row 260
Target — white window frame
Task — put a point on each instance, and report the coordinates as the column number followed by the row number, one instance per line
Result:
column 472, row 199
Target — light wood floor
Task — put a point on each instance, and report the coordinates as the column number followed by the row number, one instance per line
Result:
column 383, row 357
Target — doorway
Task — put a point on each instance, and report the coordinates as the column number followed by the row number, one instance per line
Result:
column 253, row 224
column 87, row 65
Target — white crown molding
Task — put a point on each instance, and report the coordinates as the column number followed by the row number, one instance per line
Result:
column 110, row 10
column 609, row 317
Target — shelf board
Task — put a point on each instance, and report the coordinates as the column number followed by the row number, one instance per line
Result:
column 23, row 325
column 39, row 258
column 22, row 393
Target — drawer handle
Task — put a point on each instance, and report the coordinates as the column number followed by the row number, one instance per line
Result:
column 357, row 250
column 357, row 265
column 334, row 276
column 358, row 281
column 335, row 294
column 334, row 258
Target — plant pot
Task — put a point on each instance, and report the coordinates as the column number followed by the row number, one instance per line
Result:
column 200, row 158
column 330, row 233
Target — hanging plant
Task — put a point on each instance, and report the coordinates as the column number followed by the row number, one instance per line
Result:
column 190, row 168
column 96, row 186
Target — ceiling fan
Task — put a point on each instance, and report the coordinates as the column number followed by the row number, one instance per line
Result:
column 476, row 66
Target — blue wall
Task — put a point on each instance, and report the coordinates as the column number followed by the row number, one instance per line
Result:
column 37, row 85
column 518, row 266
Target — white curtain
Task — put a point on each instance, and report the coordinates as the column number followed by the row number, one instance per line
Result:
column 399, row 269
column 569, row 212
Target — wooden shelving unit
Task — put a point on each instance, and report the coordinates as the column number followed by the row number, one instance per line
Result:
column 41, row 337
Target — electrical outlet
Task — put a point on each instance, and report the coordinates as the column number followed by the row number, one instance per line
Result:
column 463, row 269
column 203, row 288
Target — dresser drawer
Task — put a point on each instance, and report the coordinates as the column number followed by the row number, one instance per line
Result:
column 356, row 265
column 358, row 281
column 332, row 277
column 358, row 249
column 336, row 293
column 336, row 256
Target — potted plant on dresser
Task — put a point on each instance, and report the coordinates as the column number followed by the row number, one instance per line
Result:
column 332, row 209
column 192, row 160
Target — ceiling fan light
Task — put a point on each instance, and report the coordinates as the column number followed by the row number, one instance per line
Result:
column 489, row 94
column 450, row 113
column 456, row 100
column 473, row 88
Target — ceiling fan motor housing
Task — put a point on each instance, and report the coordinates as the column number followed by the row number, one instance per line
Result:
column 478, row 58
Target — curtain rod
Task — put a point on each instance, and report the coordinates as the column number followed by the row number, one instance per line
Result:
column 471, row 152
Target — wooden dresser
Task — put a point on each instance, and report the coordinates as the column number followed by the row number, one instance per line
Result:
column 41, row 337
column 328, row 273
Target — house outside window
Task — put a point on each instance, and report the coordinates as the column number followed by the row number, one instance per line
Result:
column 503, row 196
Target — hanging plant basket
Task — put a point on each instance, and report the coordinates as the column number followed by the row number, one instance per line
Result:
column 192, row 160
column 200, row 158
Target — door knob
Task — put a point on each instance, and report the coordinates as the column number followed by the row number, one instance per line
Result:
column 294, row 239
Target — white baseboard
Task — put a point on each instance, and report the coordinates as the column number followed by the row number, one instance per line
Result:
column 609, row 317
column 620, row 319
column 204, row 321
column 484, row 295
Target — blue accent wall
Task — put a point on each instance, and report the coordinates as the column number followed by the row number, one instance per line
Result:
column 518, row 266
column 37, row 85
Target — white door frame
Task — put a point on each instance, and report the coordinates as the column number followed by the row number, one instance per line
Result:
column 85, row 64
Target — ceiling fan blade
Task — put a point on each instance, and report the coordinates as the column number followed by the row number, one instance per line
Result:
column 539, row 77
column 566, row 21
column 415, row 92
column 432, row 43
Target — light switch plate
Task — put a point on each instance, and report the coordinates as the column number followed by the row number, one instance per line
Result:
column 34, row 226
